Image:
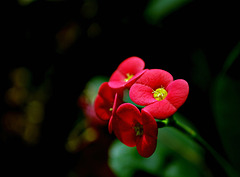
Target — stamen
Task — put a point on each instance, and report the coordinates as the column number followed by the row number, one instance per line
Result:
column 160, row 94
column 138, row 129
column 129, row 76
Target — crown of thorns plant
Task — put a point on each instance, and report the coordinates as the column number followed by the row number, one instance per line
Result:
column 154, row 95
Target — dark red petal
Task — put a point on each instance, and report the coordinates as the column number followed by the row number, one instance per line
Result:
column 117, row 102
column 146, row 145
column 124, row 132
column 128, row 113
column 161, row 109
column 177, row 92
column 131, row 65
column 155, row 78
column 102, row 108
column 141, row 94
column 126, row 117
column 106, row 92
column 150, row 127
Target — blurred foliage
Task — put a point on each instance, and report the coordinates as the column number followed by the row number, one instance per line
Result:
column 157, row 10
column 226, row 102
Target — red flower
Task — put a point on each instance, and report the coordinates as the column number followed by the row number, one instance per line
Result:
column 159, row 93
column 127, row 73
column 136, row 129
column 106, row 103
column 117, row 102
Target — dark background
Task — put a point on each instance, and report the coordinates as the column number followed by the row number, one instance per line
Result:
column 104, row 33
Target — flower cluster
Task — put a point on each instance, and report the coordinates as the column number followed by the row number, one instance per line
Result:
column 153, row 89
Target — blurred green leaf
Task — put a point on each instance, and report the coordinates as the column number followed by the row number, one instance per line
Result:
column 180, row 168
column 231, row 58
column 156, row 10
column 125, row 161
column 226, row 101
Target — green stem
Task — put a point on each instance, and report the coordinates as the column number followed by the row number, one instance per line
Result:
column 230, row 171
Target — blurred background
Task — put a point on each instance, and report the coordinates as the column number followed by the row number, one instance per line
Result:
column 56, row 53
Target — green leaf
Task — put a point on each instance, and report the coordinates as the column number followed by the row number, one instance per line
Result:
column 178, row 169
column 231, row 58
column 226, row 101
column 156, row 10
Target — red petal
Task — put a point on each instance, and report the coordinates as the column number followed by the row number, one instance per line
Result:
column 177, row 92
column 155, row 78
column 134, row 78
column 117, row 80
column 117, row 84
column 127, row 115
column 102, row 107
column 131, row 65
column 141, row 94
column 146, row 144
column 150, row 127
column 161, row 109
column 117, row 102
column 106, row 92
column 117, row 76
column 124, row 132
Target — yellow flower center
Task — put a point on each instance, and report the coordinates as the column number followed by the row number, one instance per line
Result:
column 138, row 129
column 129, row 76
column 159, row 94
